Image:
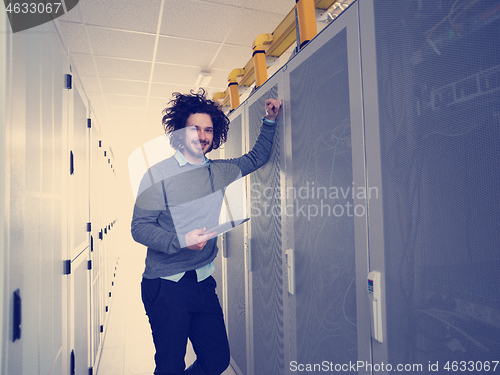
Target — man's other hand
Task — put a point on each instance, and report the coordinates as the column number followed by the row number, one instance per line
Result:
column 198, row 238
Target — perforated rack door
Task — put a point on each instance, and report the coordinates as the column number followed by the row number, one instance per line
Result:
column 266, row 290
column 323, row 204
column 235, row 250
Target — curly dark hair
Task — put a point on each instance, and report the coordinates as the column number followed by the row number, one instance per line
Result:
column 184, row 105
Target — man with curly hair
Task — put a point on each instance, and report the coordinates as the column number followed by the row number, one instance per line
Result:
column 179, row 199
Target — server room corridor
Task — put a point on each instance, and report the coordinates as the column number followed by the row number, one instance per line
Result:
column 128, row 347
column 361, row 229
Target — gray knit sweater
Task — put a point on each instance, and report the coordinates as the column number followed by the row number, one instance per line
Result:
column 175, row 200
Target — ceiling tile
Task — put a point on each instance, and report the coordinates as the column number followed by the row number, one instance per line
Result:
column 162, row 90
column 116, row 43
column 125, row 115
column 198, row 20
column 74, row 34
column 84, row 64
column 175, row 74
column 186, row 51
column 123, row 69
column 251, row 25
column 158, row 105
column 117, row 86
column 122, row 14
column 155, row 114
column 124, row 119
column 281, row 7
column 126, row 101
column 236, row 3
column 231, row 57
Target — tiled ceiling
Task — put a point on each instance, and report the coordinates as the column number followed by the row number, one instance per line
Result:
column 132, row 55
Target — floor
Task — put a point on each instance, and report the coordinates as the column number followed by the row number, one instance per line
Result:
column 128, row 347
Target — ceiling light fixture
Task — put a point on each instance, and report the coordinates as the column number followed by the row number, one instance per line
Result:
column 203, row 79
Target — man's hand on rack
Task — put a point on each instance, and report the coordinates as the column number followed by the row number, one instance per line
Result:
column 272, row 108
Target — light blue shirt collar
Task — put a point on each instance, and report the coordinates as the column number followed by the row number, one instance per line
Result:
column 182, row 160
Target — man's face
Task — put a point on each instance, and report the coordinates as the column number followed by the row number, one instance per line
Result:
column 199, row 134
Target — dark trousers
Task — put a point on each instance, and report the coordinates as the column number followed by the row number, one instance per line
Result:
column 178, row 310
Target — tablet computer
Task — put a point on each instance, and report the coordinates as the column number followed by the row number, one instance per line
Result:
column 223, row 228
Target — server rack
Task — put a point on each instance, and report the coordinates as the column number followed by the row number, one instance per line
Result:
column 59, row 252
